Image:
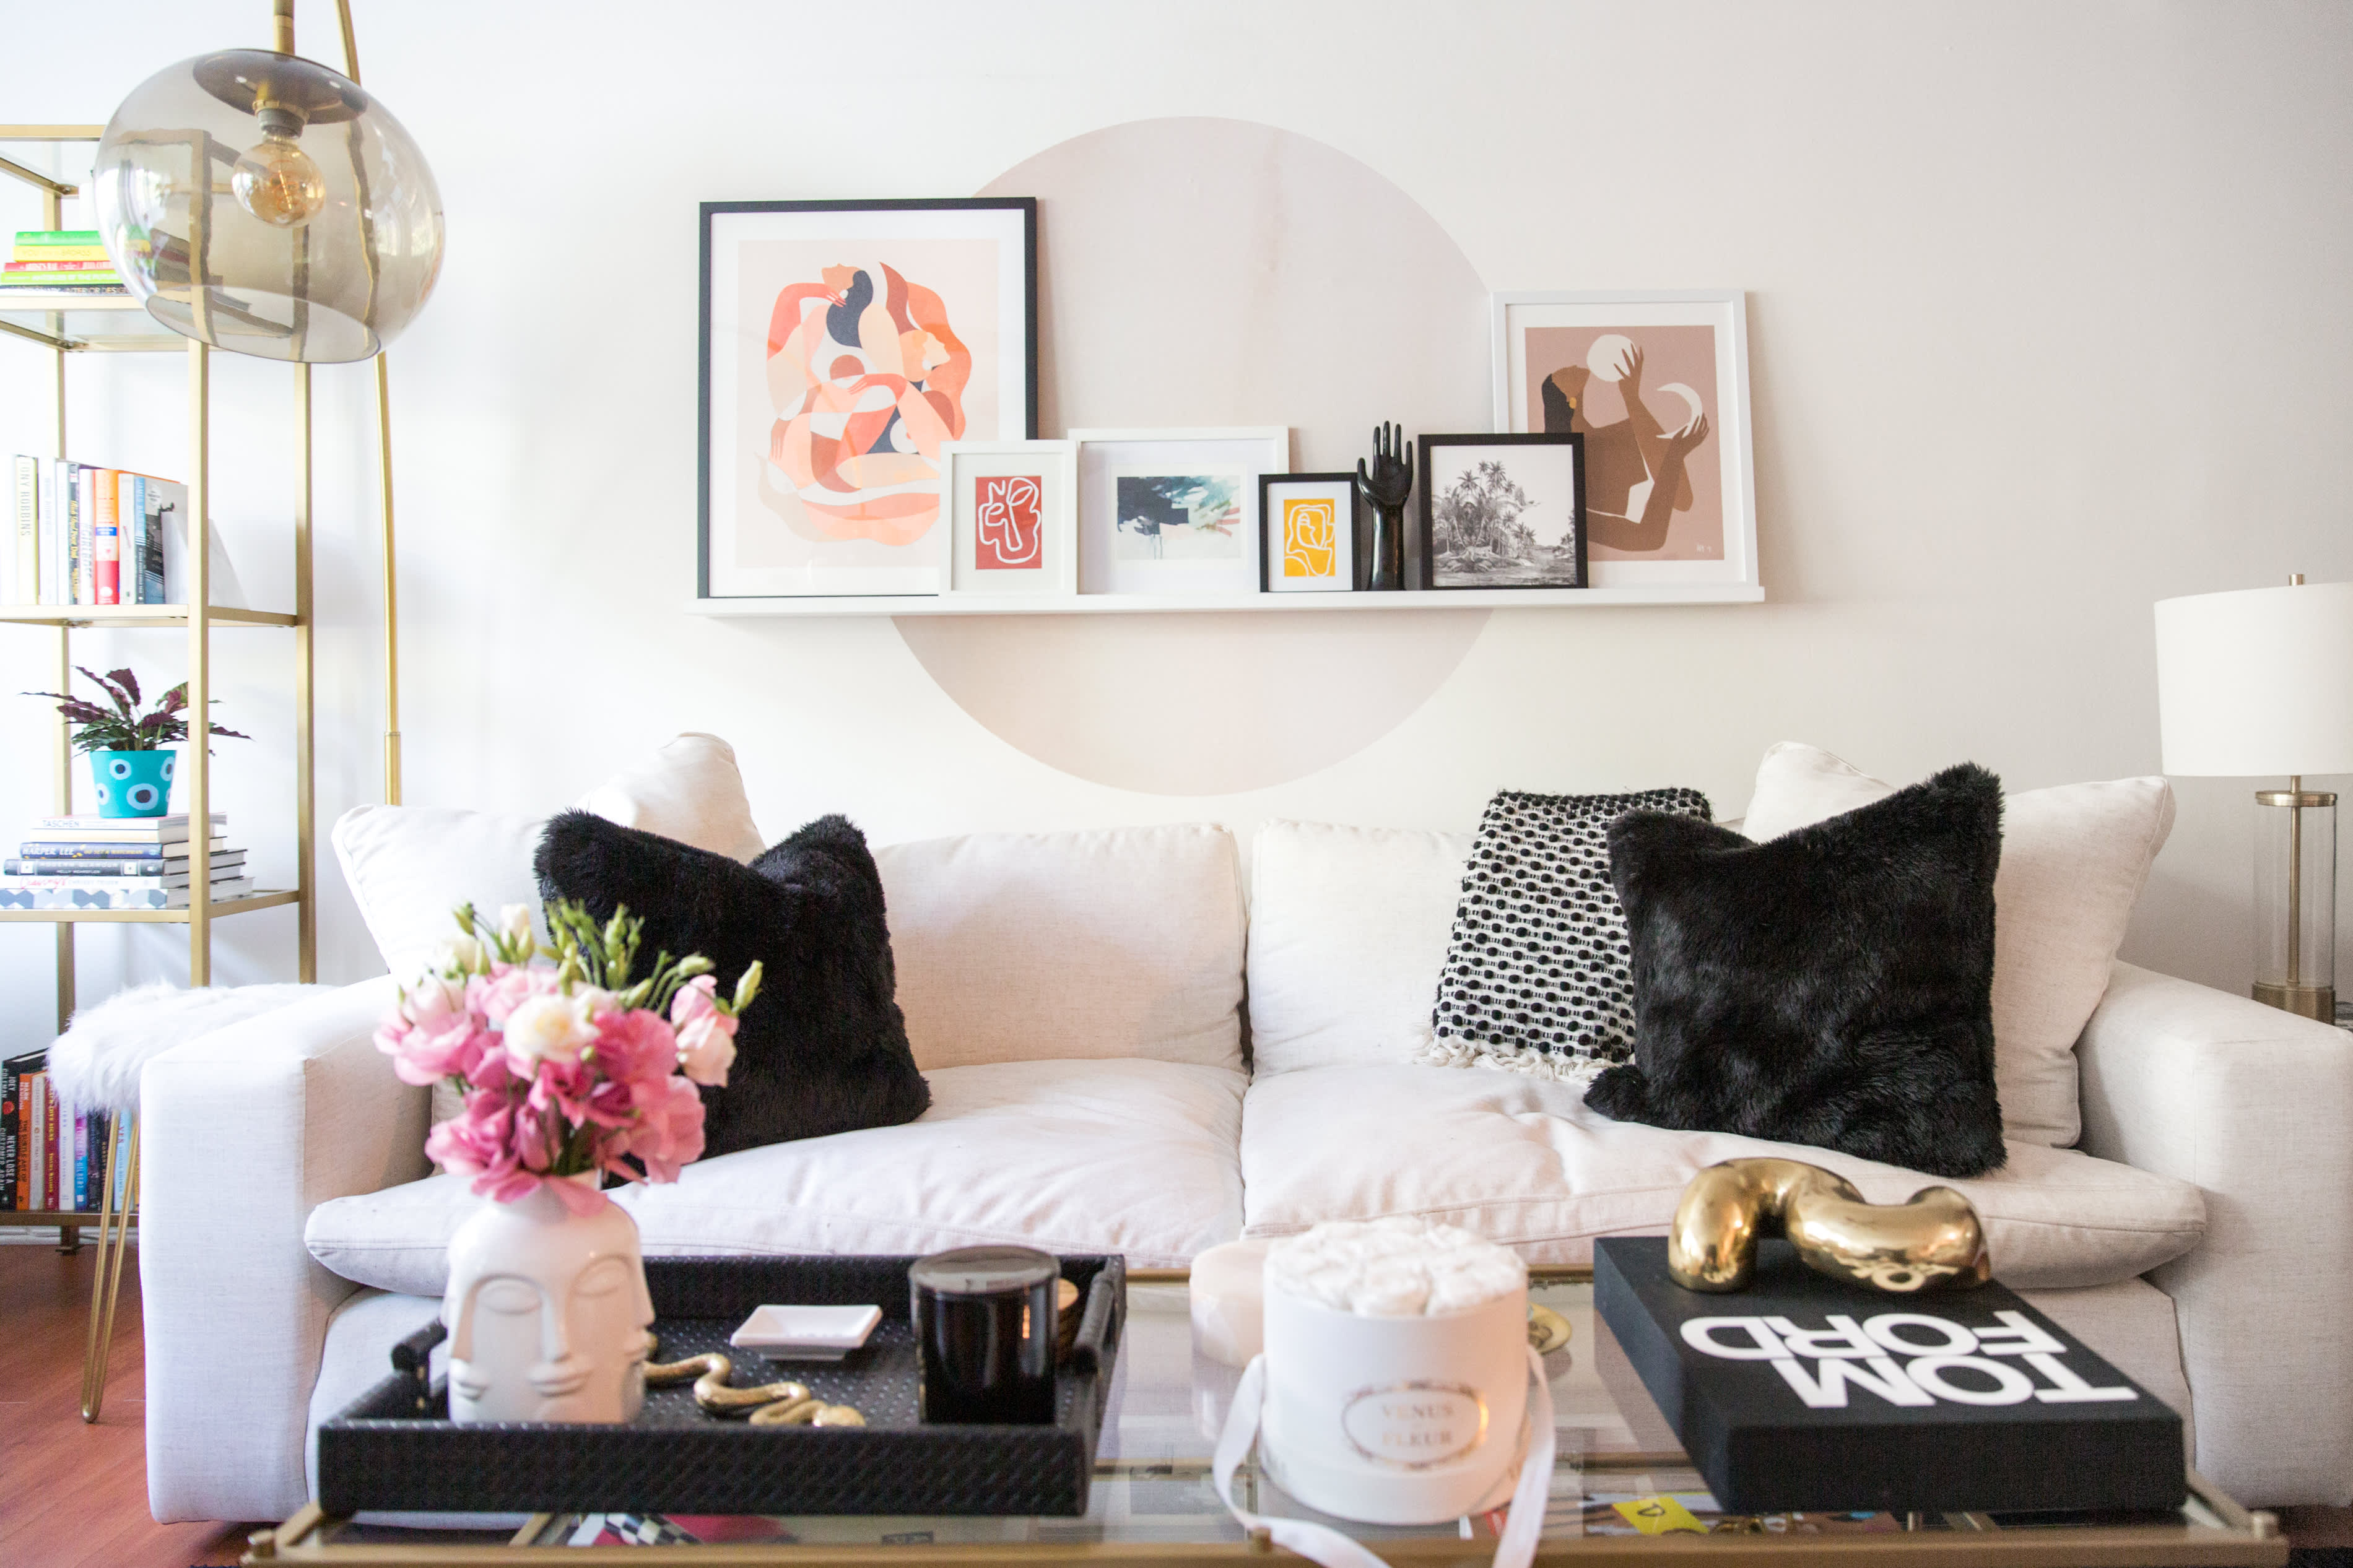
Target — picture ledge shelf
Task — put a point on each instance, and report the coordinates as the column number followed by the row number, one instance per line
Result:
column 1163, row 603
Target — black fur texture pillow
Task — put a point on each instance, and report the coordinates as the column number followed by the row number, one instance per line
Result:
column 823, row 1047
column 1833, row 987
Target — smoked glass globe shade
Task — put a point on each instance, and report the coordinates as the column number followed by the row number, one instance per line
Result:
column 264, row 204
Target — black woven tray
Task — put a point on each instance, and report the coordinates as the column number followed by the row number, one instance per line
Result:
column 395, row 1447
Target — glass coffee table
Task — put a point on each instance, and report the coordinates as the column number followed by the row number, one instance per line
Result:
column 1623, row 1490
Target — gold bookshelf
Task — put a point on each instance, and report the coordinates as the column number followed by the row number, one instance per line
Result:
column 68, row 325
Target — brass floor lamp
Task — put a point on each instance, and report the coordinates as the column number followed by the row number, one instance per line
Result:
column 262, row 203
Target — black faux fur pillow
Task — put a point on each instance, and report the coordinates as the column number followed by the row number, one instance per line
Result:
column 823, row 1048
column 1832, row 986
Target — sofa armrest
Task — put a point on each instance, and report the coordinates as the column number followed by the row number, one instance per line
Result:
column 241, row 1132
column 2255, row 1107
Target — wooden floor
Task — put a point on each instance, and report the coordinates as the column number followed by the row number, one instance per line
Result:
column 72, row 1494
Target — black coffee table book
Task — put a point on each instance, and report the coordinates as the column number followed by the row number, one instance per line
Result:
column 396, row 1448
column 1971, row 1401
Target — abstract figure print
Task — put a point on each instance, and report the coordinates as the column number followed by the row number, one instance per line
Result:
column 1647, row 492
column 1008, row 532
column 1179, row 517
column 1310, row 537
column 867, row 378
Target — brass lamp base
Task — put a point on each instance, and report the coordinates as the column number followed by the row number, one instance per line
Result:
column 2305, row 1001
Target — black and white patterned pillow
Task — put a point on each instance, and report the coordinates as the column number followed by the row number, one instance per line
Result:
column 1535, row 976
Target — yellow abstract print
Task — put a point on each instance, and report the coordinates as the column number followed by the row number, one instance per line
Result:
column 1309, row 547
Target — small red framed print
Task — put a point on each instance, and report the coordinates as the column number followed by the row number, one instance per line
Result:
column 1013, row 510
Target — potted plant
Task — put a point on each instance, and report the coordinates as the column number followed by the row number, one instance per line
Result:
column 127, row 756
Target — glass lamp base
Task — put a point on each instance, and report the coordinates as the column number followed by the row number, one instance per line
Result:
column 2305, row 1001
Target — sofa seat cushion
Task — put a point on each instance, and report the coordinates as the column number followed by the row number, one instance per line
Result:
column 1521, row 1161
column 1134, row 1157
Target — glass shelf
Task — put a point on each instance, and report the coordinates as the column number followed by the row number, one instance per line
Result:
column 80, row 323
column 145, row 917
column 136, row 615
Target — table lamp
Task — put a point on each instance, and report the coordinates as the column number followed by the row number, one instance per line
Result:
column 2261, row 681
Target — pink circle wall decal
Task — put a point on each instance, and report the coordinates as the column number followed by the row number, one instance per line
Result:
column 1219, row 272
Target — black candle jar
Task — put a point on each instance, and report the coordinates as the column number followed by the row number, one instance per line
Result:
column 984, row 1331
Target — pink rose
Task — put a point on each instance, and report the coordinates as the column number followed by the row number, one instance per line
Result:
column 634, row 1047
column 706, row 1048
column 424, row 1054
column 507, row 987
column 480, row 1141
column 668, row 1133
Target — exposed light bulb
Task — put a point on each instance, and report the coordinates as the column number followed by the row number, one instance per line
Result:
column 278, row 182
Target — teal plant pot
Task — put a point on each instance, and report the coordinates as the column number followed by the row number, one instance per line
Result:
column 133, row 784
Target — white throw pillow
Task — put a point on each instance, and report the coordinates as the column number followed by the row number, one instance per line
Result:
column 409, row 866
column 2073, row 859
column 1033, row 946
column 1348, row 934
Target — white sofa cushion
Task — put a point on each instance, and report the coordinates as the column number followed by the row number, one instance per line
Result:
column 1133, row 1157
column 1519, row 1161
column 409, row 866
column 2073, row 859
column 1036, row 946
column 1348, row 933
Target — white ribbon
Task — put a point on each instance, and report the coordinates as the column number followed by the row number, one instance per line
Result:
column 1515, row 1548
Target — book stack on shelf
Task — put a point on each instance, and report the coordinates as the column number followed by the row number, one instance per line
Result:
column 55, row 260
column 115, row 863
column 80, row 534
column 51, row 1159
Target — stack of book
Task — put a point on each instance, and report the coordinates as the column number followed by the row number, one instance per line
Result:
column 80, row 534
column 115, row 863
column 60, row 259
column 51, row 1159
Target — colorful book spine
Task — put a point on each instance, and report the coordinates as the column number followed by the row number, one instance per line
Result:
column 106, row 536
column 81, row 1160
column 132, row 517
column 57, row 1183
column 82, row 266
column 78, row 562
column 92, row 866
column 24, row 533
column 49, row 255
column 134, row 849
column 8, row 1074
column 159, row 502
column 37, row 1130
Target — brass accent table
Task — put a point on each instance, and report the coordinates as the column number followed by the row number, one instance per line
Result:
column 1153, row 1503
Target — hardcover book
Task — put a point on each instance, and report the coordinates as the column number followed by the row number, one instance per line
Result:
column 103, row 895
column 131, row 846
column 222, row 865
column 1804, row 1393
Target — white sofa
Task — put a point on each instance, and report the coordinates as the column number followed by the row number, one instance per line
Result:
column 1083, row 1006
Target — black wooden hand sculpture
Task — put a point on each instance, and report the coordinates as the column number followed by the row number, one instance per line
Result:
column 1386, row 490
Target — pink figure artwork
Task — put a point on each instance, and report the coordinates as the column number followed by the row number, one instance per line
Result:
column 1007, row 535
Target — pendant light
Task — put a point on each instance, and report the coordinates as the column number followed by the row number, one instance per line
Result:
column 260, row 203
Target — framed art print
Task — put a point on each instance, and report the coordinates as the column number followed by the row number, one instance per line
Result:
column 844, row 345
column 1658, row 386
column 1012, row 517
column 1173, row 511
column 1503, row 511
column 1307, row 532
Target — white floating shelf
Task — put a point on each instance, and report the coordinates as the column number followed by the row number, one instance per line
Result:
column 1163, row 604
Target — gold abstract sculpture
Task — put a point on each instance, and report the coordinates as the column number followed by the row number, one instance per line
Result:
column 1935, row 1241
column 767, row 1404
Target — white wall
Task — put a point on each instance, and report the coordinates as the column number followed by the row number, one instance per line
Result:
column 2048, row 310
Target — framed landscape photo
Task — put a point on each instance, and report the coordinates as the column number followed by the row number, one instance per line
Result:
column 1503, row 511
column 1307, row 532
column 1658, row 386
column 1012, row 517
column 844, row 345
column 1173, row 511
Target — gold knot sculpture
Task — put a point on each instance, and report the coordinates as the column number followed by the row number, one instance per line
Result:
column 1935, row 1241
column 768, row 1405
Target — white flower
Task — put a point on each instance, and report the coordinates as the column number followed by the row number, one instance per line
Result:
column 706, row 1049
column 459, row 955
column 432, row 998
column 548, row 1028
column 514, row 923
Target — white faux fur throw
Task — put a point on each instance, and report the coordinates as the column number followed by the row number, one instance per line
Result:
column 94, row 1066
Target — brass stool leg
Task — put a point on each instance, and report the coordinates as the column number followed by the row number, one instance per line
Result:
column 106, row 1284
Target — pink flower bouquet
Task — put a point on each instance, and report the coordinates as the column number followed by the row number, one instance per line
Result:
column 567, row 1066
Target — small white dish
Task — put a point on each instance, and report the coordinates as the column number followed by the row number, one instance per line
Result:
column 805, row 1334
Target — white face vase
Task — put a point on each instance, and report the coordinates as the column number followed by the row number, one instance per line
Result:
column 548, row 1314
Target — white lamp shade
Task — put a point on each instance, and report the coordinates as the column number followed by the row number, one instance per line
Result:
column 2257, row 682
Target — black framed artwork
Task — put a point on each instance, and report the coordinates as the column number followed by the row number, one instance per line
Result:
column 1503, row 511
column 1307, row 528
column 843, row 345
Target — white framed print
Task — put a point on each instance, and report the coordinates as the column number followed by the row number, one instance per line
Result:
column 1174, row 511
column 1013, row 508
column 1657, row 383
column 843, row 344
column 1308, row 525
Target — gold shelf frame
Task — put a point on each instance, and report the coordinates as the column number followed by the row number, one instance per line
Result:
column 42, row 319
